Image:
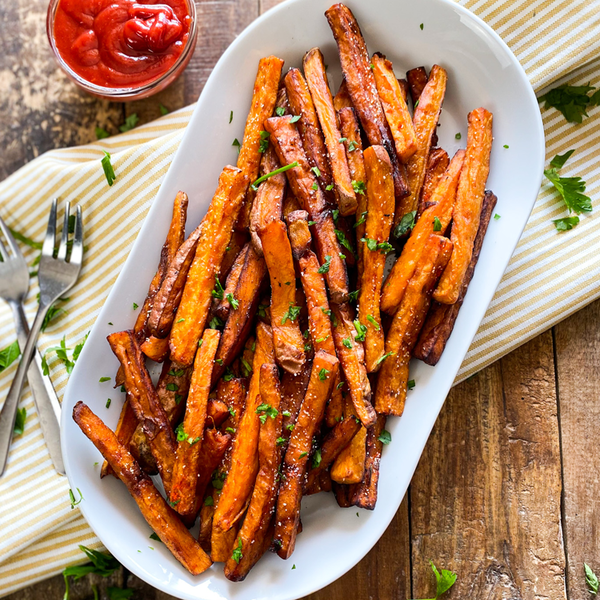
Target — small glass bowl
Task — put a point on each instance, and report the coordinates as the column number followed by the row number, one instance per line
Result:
column 126, row 93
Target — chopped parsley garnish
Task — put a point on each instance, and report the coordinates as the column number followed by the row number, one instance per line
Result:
column 230, row 430
column 324, row 268
column 286, row 413
column 323, row 374
column 154, row 536
column 266, row 410
column 437, row 224
column 208, row 501
column 254, row 186
column 101, row 564
column 218, row 291
column 280, row 441
column 181, row 434
column 385, row 437
column 236, row 143
column 383, row 247
column 130, row 122
column 359, row 187
column 505, row 146
column 291, row 314
column 321, row 340
column 342, row 139
column 353, row 296
column 264, row 142
column 411, row 384
column 62, row 353
column 566, row 223
column 316, row 459
column 382, row 358
column 406, row 224
column 172, row 387
column 237, row 552
column 290, row 427
column 176, row 372
column 163, row 110
column 215, row 323
column 496, row 217
column 8, row 355
column 314, row 186
column 373, row 322
column 340, row 385
column 74, row 503
column 421, row 26
column 246, row 366
column 101, row 133
column 280, row 111
column 316, row 171
column 178, row 398
column 295, row 118
column 329, row 187
column 458, row 136
column 235, row 304
column 311, row 223
column 571, row 100
column 219, row 361
column 361, row 330
column 103, row 379
column 230, row 117
column 303, row 454
column 109, row 172
column 343, row 240
column 20, row 419
column 135, row 306
column 335, row 213
column 352, row 146
column 108, row 401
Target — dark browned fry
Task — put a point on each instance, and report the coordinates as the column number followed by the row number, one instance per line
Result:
column 364, row 494
column 287, row 339
column 352, row 360
column 380, row 215
column 163, row 520
column 191, row 431
column 403, row 89
column 145, row 403
column 417, row 80
column 441, row 318
column 295, row 464
column 312, row 137
column 216, row 413
column 293, row 390
column 342, row 98
column 316, row 78
column 233, row 394
column 253, row 534
column 223, row 306
column 335, row 441
column 390, row 394
column 303, row 183
column 214, row 446
column 356, row 66
column 437, row 163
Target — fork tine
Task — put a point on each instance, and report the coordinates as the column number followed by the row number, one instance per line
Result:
column 77, row 250
column 62, row 249
column 9, row 239
column 49, row 240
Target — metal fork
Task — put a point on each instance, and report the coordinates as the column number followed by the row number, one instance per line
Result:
column 14, row 285
column 56, row 276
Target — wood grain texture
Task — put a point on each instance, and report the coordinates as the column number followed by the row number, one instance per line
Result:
column 486, row 496
column 578, row 370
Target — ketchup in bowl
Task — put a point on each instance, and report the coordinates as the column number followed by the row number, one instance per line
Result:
column 122, row 48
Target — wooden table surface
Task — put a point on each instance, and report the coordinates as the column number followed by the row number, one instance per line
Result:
column 506, row 493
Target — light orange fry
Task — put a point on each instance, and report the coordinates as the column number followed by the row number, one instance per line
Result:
column 443, row 200
column 467, row 211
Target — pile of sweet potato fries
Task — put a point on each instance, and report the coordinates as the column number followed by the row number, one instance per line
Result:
column 273, row 384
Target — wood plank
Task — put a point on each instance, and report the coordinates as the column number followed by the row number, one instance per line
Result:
column 486, row 497
column 578, row 369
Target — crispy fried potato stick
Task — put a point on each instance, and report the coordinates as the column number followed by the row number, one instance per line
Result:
column 223, row 307
column 316, row 77
column 469, row 198
column 441, row 318
column 287, row 339
column 125, row 429
column 239, row 323
column 380, row 215
column 145, row 403
column 268, row 203
column 442, row 201
column 191, row 432
column 417, row 80
column 335, row 441
column 295, row 463
column 253, row 534
column 352, row 360
column 394, row 107
column 293, row 390
column 264, row 100
column 364, row 494
column 233, row 394
column 437, row 163
column 356, row 66
column 342, row 98
column 244, row 456
column 349, row 466
column 303, row 183
column 425, row 121
column 390, row 394
column 310, row 131
column 196, row 298
column 156, row 349
column 214, row 446
column 159, row 515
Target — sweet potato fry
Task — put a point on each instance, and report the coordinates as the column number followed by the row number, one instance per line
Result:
column 469, row 198
column 380, row 215
column 364, row 494
column 160, row 516
column 342, row 98
column 351, row 353
column 290, row 203
column 255, row 528
column 441, row 318
column 316, row 77
column 437, row 163
column 394, row 107
column 145, row 403
column 236, row 243
column 264, row 99
column 287, row 339
column 390, row 394
column 303, row 183
column 293, row 390
column 166, row 300
column 125, row 429
column 217, row 412
column 356, row 66
column 417, row 80
column 239, row 323
column 233, row 394
column 442, row 201
column 223, row 306
column 191, row 432
column 349, row 466
column 425, row 122
column 268, row 203
column 295, row 464
column 310, row 131
column 244, row 457
column 156, row 349
column 196, row 298
column 403, row 89
column 335, row 441
column 175, row 237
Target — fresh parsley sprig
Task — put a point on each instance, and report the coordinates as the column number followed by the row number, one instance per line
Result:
column 571, row 100
column 591, row 579
column 8, row 355
column 101, row 564
column 444, row 580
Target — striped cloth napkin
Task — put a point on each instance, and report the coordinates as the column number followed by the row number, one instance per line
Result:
column 550, row 276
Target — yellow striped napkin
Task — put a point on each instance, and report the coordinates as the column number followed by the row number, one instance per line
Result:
column 550, row 276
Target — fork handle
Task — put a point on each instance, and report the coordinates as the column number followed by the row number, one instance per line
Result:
column 9, row 409
column 44, row 396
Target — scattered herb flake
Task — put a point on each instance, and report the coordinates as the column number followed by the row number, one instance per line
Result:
column 109, row 172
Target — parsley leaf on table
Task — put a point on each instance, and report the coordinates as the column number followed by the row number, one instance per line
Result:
column 8, row 355
column 591, row 579
column 115, row 593
column 571, row 100
column 444, row 580
column 101, row 564
column 20, row 421
column 130, row 122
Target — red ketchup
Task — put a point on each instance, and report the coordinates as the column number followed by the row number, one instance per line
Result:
column 120, row 43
